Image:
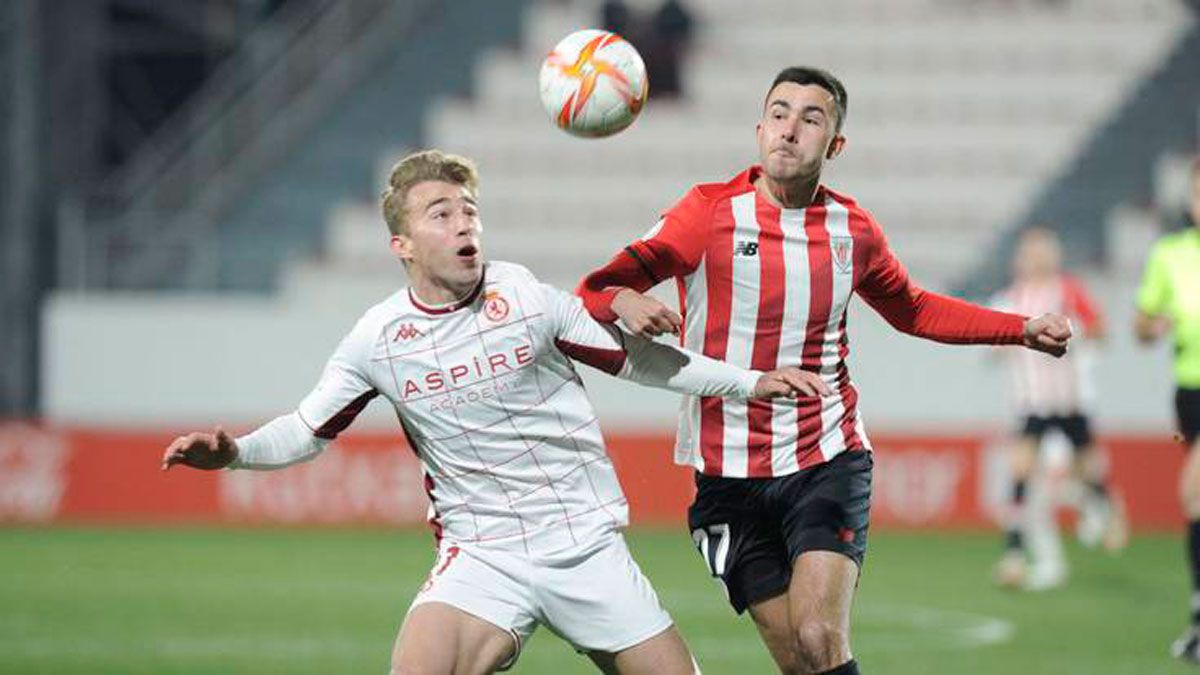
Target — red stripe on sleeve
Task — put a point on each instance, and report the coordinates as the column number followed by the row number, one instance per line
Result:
column 608, row 360
column 342, row 419
column 1080, row 304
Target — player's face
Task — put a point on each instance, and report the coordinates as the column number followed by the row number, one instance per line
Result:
column 1038, row 255
column 441, row 246
column 798, row 132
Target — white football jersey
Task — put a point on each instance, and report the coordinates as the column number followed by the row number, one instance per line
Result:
column 490, row 402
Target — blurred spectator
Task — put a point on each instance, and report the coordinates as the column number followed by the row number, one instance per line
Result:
column 662, row 38
column 615, row 16
column 671, row 35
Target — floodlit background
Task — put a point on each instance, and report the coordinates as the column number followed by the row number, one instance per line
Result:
column 189, row 224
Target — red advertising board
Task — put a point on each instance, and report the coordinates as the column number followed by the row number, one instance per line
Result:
column 75, row 475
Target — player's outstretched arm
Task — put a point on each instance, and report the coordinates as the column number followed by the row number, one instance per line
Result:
column 201, row 450
column 656, row 364
column 1048, row 333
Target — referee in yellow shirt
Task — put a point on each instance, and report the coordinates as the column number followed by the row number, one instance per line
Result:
column 1169, row 302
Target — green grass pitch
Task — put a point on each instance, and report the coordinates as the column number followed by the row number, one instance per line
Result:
column 329, row 601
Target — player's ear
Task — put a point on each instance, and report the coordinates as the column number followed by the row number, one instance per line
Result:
column 835, row 146
column 402, row 247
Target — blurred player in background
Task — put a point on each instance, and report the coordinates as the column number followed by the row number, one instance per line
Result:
column 1053, row 395
column 525, row 504
column 766, row 264
column 1169, row 302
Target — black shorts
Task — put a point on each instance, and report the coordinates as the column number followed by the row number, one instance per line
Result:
column 1077, row 428
column 1187, row 408
column 751, row 530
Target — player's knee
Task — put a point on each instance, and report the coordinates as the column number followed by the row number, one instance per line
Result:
column 821, row 644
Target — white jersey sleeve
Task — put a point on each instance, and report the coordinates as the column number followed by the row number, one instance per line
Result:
column 637, row 359
column 340, row 395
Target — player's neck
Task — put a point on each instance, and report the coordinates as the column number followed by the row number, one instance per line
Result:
column 439, row 293
column 795, row 195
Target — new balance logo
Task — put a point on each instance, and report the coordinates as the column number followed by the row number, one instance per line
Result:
column 745, row 248
column 407, row 332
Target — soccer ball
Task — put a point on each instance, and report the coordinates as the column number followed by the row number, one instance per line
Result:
column 593, row 83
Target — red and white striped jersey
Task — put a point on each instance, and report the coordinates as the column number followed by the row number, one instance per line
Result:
column 1042, row 386
column 763, row 287
column 490, row 401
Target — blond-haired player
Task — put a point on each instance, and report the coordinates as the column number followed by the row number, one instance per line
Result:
column 476, row 360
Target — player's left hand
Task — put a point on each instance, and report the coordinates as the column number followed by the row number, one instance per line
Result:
column 1048, row 333
column 791, row 382
column 201, row 450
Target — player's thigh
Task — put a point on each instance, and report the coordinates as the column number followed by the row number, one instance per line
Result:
column 475, row 609
column 822, row 589
column 829, row 508
column 739, row 539
column 601, row 602
column 440, row 639
column 1189, row 482
column 1022, row 456
column 665, row 654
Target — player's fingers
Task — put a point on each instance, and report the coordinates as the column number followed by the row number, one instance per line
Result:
column 673, row 319
column 798, row 383
column 819, row 384
column 664, row 325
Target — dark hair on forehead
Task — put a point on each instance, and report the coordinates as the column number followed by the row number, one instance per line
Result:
column 822, row 78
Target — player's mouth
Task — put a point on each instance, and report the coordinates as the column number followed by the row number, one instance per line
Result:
column 468, row 253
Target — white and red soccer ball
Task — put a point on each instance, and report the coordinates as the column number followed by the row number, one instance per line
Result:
column 593, row 83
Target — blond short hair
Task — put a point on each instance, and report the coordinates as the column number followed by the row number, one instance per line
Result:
column 419, row 167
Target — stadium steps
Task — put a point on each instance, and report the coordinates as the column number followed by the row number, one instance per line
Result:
column 1112, row 166
column 957, row 114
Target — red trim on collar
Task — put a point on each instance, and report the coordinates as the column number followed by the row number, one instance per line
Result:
column 453, row 307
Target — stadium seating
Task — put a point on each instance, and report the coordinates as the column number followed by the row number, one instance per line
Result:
column 958, row 112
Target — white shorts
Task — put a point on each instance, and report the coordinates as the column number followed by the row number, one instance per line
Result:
column 599, row 602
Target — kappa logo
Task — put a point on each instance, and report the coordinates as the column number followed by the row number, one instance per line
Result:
column 407, row 331
column 747, row 249
column 495, row 308
column 843, row 253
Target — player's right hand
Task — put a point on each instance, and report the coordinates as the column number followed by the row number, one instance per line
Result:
column 644, row 315
column 791, row 382
column 201, row 450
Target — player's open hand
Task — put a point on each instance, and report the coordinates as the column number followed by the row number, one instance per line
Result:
column 644, row 315
column 1048, row 333
column 201, row 450
column 791, row 382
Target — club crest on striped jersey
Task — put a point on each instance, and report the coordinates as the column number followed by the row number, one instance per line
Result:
column 495, row 307
column 843, row 253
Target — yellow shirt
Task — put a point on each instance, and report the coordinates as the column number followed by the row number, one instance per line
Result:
column 1171, row 288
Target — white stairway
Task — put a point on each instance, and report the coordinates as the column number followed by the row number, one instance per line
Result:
column 958, row 112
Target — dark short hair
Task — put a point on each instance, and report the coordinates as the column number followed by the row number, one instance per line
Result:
column 822, row 78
